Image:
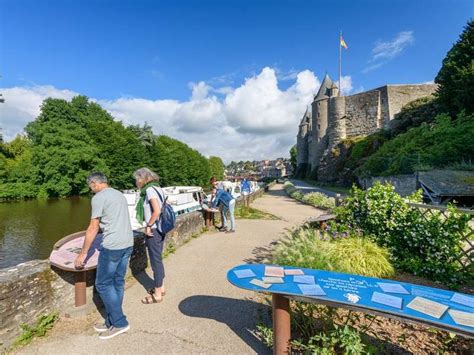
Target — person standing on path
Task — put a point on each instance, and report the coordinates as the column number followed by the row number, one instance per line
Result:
column 227, row 201
column 149, row 208
column 246, row 190
column 110, row 213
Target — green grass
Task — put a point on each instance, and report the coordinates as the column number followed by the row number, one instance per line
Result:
column 243, row 212
column 43, row 324
column 329, row 187
column 309, row 248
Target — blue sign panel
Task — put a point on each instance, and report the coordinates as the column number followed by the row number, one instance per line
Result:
column 446, row 309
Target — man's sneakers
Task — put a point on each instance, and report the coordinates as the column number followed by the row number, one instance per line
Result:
column 110, row 333
column 231, row 231
column 100, row 327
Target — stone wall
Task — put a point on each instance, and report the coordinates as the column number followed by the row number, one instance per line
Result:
column 400, row 95
column 404, row 184
column 362, row 113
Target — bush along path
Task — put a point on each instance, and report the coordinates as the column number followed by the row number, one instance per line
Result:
column 377, row 234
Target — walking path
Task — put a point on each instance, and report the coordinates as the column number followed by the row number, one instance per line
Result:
column 202, row 312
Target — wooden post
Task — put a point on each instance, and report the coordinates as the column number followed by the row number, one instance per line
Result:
column 338, row 199
column 281, row 324
column 80, row 288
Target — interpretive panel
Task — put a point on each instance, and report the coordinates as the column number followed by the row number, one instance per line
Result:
column 447, row 310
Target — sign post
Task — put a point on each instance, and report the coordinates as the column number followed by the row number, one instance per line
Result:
column 281, row 324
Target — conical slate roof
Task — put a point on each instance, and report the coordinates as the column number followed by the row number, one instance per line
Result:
column 306, row 117
column 325, row 88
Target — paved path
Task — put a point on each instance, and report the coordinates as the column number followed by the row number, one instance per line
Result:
column 202, row 312
column 305, row 188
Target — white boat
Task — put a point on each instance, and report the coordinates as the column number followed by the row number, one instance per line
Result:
column 229, row 186
column 183, row 199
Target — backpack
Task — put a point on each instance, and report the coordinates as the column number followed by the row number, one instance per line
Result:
column 167, row 220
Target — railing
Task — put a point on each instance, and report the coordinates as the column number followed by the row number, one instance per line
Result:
column 467, row 237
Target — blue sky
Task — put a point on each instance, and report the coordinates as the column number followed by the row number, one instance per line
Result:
column 156, row 50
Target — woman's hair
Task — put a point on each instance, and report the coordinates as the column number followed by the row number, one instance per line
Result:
column 145, row 175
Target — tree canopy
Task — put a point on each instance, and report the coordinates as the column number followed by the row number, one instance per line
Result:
column 456, row 77
column 69, row 140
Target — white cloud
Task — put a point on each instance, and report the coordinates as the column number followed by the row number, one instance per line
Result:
column 22, row 105
column 385, row 51
column 256, row 120
column 346, row 85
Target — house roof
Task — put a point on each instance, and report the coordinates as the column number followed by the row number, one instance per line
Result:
column 448, row 182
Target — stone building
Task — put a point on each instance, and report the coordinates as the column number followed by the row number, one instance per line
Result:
column 333, row 118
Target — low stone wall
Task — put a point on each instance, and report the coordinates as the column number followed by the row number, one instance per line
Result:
column 34, row 288
column 404, row 184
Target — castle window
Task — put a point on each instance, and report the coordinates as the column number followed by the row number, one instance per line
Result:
column 319, row 114
column 319, row 126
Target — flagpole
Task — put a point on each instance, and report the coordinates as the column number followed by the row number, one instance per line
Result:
column 340, row 61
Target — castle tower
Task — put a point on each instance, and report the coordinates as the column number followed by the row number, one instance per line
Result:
column 302, row 144
column 319, row 122
column 337, row 121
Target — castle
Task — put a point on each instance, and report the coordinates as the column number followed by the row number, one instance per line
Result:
column 333, row 118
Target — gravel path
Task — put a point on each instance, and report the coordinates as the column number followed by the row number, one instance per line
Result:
column 202, row 312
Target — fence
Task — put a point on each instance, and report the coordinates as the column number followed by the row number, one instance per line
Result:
column 467, row 237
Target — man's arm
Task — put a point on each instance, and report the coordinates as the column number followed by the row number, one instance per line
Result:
column 91, row 233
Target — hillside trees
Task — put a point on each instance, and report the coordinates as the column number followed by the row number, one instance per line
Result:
column 217, row 167
column 456, row 77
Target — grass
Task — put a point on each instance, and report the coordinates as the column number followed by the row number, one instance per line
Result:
column 309, row 248
column 243, row 212
column 43, row 324
column 329, row 187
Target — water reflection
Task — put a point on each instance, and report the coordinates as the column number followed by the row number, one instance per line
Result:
column 29, row 229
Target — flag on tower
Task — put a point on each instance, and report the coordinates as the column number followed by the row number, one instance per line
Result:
column 343, row 43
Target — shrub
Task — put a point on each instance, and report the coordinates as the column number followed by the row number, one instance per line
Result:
column 320, row 200
column 309, row 248
column 429, row 245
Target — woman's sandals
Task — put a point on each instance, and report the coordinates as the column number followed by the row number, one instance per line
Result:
column 151, row 299
column 151, row 291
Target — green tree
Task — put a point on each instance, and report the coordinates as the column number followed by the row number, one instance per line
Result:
column 293, row 155
column 120, row 148
column 63, row 154
column 456, row 77
column 217, row 167
column 178, row 164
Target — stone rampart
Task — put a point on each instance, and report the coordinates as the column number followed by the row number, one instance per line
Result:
column 404, row 184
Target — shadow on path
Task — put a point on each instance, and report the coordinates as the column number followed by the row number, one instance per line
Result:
column 240, row 315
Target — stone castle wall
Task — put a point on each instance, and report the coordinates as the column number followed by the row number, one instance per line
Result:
column 362, row 114
column 400, row 95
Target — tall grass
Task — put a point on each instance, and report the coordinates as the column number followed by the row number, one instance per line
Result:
column 309, row 248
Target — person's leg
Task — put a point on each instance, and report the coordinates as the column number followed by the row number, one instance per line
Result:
column 155, row 250
column 119, row 278
column 106, row 268
column 232, row 216
column 223, row 217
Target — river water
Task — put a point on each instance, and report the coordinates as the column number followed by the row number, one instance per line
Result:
column 29, row 229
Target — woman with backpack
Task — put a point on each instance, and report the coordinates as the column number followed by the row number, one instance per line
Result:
column 149, row 210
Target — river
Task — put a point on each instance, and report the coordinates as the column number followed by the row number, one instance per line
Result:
column 29, row 229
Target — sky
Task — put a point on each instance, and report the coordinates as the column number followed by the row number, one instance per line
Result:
column 229, row 78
